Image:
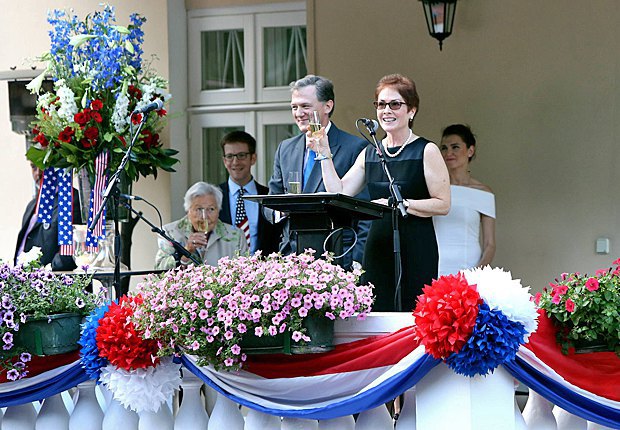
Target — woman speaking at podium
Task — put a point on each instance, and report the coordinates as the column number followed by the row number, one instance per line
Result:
column 418, row 169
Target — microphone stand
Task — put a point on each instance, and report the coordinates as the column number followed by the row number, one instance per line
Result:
column 112, row 190
column 177, row 246
column 397, row 206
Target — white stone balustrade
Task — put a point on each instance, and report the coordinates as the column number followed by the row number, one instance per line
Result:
column 441, row 397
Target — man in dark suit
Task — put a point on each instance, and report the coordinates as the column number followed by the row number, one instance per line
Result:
column 239, row 155
column 34, row 233
column 315, row 93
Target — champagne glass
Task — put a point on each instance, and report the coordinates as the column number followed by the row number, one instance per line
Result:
column 294, row 183
column 82, row 255
column 315, row 124
column 202, row 226
column 315, row 128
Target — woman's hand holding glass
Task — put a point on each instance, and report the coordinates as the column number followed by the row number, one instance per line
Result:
column 317, row 138
column 197, row 241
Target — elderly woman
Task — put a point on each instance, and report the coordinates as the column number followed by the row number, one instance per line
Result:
column 200, row 231
column 420, row 172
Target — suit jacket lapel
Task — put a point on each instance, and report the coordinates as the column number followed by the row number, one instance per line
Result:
column 225, row 211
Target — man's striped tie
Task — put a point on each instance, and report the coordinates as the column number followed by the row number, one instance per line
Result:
column 241, row 218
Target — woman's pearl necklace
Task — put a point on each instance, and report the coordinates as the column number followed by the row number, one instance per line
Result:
column 407, row 142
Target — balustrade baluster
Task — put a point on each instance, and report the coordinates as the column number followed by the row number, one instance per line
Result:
column 538, row 413
column 160, row 420
column 53, row 415
column 568, row 421
column 192, row 414
column 87, row 414
column 375, row 419
column 118, row 417
column 594, row 426
column 519, row 421
column 299, row 424
column 256, row 420
column 406, row 418
column 19, row 417
column 341, row 423
column 210, row 398
column 225, row 415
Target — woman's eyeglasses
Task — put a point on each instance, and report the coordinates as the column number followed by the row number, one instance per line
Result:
column 240, row 156
column 394, row 104
column 203, row 211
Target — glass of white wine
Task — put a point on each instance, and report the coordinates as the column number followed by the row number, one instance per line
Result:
column 315, row 124
column 315, row 128
column 202, row 226
column 83, row 255
column 294, row 183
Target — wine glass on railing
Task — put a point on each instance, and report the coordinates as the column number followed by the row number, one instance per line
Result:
column 83, row 255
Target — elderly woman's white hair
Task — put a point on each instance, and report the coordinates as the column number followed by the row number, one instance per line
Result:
column 202, row 189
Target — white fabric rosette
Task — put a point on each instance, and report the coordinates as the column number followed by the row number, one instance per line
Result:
column 500, row 291
column 143, row 389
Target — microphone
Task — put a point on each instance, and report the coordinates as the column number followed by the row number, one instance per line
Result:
column 370, row 124
column 129, row 197
column 156, row 104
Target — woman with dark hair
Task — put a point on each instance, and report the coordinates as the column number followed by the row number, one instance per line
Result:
column 419, row 171
column 466, row 236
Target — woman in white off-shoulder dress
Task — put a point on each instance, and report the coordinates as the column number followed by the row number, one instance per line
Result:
column 466, row 236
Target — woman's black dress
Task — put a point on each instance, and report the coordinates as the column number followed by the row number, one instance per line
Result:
column 417, row 236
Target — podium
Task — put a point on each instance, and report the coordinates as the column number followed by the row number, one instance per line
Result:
column 312, row 217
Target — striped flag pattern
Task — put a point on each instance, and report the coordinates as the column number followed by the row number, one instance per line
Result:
column 46, row 197
column 65, row 211
column 96, row 199
column 241, row 218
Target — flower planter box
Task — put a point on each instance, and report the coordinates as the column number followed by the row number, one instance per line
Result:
column 320, row 330
column 51, row 335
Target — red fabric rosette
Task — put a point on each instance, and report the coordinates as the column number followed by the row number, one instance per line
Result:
column 445, row 315
column 120, row 342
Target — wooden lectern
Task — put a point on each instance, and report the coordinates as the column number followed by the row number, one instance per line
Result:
column 314, row 216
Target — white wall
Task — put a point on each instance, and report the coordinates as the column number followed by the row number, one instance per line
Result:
column 538, row 83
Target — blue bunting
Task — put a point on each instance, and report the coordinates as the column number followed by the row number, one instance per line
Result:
column 91, row 362
column 494, row 341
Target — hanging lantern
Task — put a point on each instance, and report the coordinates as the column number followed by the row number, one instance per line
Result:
column 439, row 18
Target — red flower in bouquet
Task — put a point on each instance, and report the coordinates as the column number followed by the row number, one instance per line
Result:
column 100, row 79
column 120, row 342
column 445, row 315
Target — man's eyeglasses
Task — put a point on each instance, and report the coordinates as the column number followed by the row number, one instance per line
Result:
column 394, row 104
column 239, row 156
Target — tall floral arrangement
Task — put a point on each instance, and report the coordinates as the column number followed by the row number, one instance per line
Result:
column 585, row 309
column 99, row 80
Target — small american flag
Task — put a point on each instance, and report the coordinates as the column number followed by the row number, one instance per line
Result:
column 46, row 197
column 65, row 211
column 101, row 183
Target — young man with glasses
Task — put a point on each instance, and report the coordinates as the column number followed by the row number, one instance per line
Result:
column 309, row 94
column 239, row 155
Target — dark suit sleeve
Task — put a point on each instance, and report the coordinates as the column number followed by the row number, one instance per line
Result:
column 276, row 183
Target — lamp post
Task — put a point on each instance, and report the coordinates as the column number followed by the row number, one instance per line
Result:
column 439, row 18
